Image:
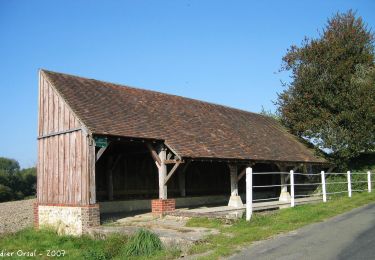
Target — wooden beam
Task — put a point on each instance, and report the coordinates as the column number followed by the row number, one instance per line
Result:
column 233, row 179
column 110, row 178
column 116, row 162
column 182, row 179
column 297, row 167
column 281, row 166
column 186, row 164
column 60, row 133
column 172, row 172
column 154, row 155
column 163, row 193
column 101, row 151
column 172, row 150
column 242, row 173
column 92, row 172
column 173, row 161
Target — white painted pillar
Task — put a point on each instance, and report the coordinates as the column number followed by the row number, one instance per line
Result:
column 349, row 184
column 249, row 193
column 162, row 174
column 369, row 181
column 292, row 188
column 324, row 191
column 235, row 199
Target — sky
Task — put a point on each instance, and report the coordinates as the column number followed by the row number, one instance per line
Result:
column 225, row 52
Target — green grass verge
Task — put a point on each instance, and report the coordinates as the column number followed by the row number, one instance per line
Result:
column 266, row 225
column 145, row 244
column 231, row 237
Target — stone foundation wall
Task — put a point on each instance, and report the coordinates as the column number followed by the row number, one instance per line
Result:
column 71, row 220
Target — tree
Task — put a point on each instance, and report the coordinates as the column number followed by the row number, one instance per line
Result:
column 269, row 113
column 15, row 183
column 330, row 99
column 9, row 165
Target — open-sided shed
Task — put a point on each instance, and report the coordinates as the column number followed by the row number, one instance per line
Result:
column 105, row 147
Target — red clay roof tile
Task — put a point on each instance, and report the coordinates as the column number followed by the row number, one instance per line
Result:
column 193, row 128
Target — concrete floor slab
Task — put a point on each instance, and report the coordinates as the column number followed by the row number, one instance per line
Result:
column 170, row 229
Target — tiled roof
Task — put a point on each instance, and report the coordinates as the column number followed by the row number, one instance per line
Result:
column 193, row 128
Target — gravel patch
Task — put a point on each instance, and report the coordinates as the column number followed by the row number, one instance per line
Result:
column 16, row 215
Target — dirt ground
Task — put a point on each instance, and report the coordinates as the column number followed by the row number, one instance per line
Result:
column 16, row 215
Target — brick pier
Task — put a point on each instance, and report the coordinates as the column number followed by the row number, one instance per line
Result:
column 161, row 206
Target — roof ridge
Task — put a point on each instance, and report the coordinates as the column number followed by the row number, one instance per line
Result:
column 121, row 86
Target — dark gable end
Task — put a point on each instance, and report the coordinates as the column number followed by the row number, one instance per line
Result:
column 193, row 128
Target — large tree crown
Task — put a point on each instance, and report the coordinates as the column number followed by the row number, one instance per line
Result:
column 330, row 99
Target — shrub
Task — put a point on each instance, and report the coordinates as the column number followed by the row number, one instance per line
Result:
column 5, row 193
column 339, row 187
column 22, row 183
column 143, row 242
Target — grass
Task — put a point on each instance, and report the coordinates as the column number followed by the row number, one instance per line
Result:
column 145, row 245
column 114, row 247
column 265, row 225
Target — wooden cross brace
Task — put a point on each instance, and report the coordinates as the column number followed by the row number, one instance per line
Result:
column 243, row 172
column 154, row 155
column 172, row 171
column 101, row 151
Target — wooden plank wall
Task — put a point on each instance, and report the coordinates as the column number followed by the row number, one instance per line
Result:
column 64, row 160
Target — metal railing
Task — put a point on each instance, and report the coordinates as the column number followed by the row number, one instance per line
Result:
column 293, row 184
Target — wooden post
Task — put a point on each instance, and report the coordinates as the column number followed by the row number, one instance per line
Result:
column 249, row 193
column 349, row 184
column 292, row 188
column 284, row 187
column 162, row 173
column 92, row 160
column 182, row 183
column 233, row 180
column 182, row 179
column 324, row 191
column 284, row 194
column 234, row 200
column 110, row 178
column 369, row 181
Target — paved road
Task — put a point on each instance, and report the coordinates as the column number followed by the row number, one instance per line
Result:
column 348, row 236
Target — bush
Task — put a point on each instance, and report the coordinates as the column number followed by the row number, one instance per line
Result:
column 16, row 184
column 359, row 182
column 5, row 193
column 143, row 242
column 9, row 165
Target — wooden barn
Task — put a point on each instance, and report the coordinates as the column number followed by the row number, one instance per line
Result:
column 105, row 148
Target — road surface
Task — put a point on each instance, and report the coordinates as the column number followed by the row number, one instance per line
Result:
column 347, row 236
